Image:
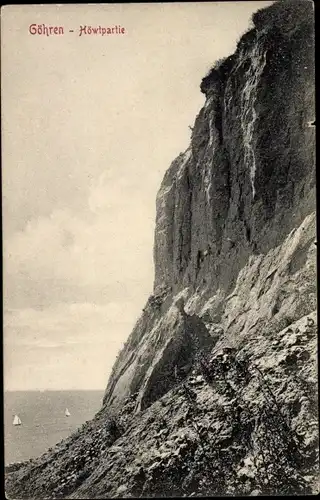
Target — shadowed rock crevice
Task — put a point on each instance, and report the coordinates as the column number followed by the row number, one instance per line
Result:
column 178, row 357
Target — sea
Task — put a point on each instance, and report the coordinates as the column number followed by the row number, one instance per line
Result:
column 44, row 423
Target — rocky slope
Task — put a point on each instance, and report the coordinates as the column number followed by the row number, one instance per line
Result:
column 215, row 389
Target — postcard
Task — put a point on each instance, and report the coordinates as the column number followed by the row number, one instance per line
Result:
column 159, row 249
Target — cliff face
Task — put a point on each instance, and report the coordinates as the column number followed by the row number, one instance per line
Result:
column 215, row 389
column 231, row 200
column 247, row 177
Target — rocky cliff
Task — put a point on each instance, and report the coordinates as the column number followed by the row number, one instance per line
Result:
column 215, row 389
column 231, row 200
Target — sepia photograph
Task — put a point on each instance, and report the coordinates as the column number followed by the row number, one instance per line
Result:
column 159, row 250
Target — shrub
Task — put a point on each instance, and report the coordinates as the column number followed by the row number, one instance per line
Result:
column 113, row 427
column 287, row 16
column 278, row 456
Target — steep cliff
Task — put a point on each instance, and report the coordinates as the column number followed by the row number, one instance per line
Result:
column 246, row 181
column 215, row 389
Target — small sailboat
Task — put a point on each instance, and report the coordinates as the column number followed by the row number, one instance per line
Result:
column 67, row 413
column 16, row 420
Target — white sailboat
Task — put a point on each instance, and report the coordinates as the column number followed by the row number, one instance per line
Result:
column 67, row 413
column 16, row 420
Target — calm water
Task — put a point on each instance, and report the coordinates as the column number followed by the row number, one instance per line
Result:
column 43, row 420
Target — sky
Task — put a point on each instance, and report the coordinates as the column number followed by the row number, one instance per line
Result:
column 90, row 124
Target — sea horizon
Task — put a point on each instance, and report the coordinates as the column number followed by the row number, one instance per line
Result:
column 44, row 423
